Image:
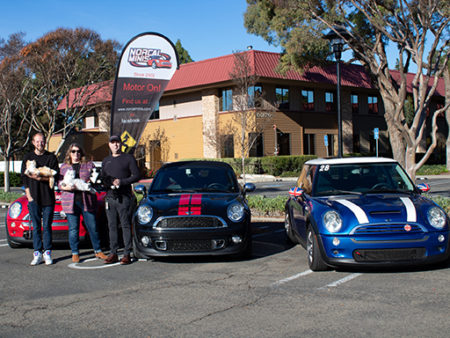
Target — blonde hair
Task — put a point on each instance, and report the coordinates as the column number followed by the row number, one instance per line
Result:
column 68, row 159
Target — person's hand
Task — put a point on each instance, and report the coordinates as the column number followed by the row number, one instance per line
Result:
column 116, row 182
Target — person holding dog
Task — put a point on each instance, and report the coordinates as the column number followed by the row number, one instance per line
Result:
column 76, row 202
column 41, row 198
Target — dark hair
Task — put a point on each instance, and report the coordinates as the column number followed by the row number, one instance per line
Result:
column 68, row 159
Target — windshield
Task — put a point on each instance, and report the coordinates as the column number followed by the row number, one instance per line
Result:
column 194, row 179
column 361, row 179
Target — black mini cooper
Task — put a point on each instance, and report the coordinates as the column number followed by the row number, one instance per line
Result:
column 193, row 208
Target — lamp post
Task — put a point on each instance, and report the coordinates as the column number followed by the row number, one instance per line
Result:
column 337, row 44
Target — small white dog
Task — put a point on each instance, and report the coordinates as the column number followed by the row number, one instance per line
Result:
column 79, row 184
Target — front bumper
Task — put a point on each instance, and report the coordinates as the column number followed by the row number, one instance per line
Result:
column 228, row 240
column 425, row 248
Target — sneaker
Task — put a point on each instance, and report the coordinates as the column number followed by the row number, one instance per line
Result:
column 37, row 258
column 48, row 257
column 75, row 258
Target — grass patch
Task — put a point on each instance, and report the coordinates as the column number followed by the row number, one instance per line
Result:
column 9, row 197
column 431, row 169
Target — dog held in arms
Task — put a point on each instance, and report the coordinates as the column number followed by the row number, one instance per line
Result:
column 41, row 171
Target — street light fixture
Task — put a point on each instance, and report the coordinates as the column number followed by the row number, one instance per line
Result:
column 337, row 45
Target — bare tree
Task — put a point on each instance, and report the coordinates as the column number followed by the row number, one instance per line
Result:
column 247, row 105
column 367, row 27
column 62, row 60
column 15, row 103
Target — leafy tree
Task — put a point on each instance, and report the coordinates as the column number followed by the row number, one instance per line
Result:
column 418, row 28
column 60, row 61
column 15, row 102
column 183, row 54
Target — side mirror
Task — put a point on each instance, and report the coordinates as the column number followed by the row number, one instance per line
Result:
column 140, row 189
column 296, row 192
column 423, row 187
column 249, row 187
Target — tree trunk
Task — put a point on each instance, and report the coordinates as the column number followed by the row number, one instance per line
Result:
column 395, row 137
column 447, row 114
column 6, row 175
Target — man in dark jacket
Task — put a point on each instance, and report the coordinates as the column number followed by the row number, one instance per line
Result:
column 119, row 171
column 41, row 198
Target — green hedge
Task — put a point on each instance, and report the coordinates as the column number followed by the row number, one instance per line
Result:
column 14, row 179
column 271, row 165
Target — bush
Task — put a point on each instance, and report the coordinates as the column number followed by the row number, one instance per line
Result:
column 432, row 169
column 9, row 197
column 262, row 206
column 14, row 179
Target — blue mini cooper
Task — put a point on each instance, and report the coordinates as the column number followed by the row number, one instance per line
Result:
column 364, row 211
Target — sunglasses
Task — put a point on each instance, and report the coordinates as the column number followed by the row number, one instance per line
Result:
column 75, row 151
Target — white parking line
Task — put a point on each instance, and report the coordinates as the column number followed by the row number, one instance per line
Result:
column 3, row 245
column 341, row 281
column 288, row 279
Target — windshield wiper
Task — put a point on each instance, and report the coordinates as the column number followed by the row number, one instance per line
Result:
column 387, row 190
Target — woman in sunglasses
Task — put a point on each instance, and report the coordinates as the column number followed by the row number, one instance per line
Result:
column 76, row 203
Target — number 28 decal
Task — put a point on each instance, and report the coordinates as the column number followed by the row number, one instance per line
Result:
column 324, row 167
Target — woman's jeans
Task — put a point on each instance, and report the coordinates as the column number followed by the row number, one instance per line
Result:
column 41, row 216
column 74, row 228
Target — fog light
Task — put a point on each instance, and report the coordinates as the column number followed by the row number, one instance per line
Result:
column 336, row 241
column 161, row 245
column 441, row 238
column 62, row 214
column 13, row 225
column 218, row 243
column 145, row 240
column 336, row 252
column 236, row 239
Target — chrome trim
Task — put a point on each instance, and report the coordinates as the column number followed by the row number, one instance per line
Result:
column 396, row 241
column 386, row 225
column 159, row 219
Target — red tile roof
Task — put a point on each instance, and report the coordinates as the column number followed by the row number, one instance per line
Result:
column 217, row 70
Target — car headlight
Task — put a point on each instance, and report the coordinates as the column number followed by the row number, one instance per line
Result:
column 332, row 221
column 144, row 214
column 235, row 212
column 436, row 217
column 15, row 209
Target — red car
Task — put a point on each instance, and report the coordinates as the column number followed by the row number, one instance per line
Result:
column 18, row 222
column 160, row 61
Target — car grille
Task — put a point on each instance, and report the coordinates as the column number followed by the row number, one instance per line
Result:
column 189, row 245
column 383, row 255
column 381, row 229
column 189, row 222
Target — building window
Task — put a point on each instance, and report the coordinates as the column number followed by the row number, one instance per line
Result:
column 331, row 145
column 227, row 149
column 254, row 96
column 354, row 102
column 257, row 147
column 372, row 102
column 329, row 101
column 284, row 143
column 308, row 100
column 356, row 143
column 155, row 114
column 308, row 144
column 226, row 99
column 282, row 97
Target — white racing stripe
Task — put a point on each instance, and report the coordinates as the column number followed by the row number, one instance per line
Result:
column 357, row 211
column 341, row 281
column 288, row 279
column 411, row 215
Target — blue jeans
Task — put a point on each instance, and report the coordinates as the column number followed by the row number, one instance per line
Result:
column 42, row 219
column 74, row 228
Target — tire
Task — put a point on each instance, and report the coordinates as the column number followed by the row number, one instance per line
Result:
column 315, row 260
column 154, row 65
column 136, row 253
column 288, row 228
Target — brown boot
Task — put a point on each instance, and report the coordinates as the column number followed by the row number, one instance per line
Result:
column 101, row 255
column 76, row 258
column 112, row 258
column 126, row 259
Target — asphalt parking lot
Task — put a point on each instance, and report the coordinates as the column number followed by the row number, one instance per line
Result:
column 274, row 294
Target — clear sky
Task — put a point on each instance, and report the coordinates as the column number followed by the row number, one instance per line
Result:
column 206, row 28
